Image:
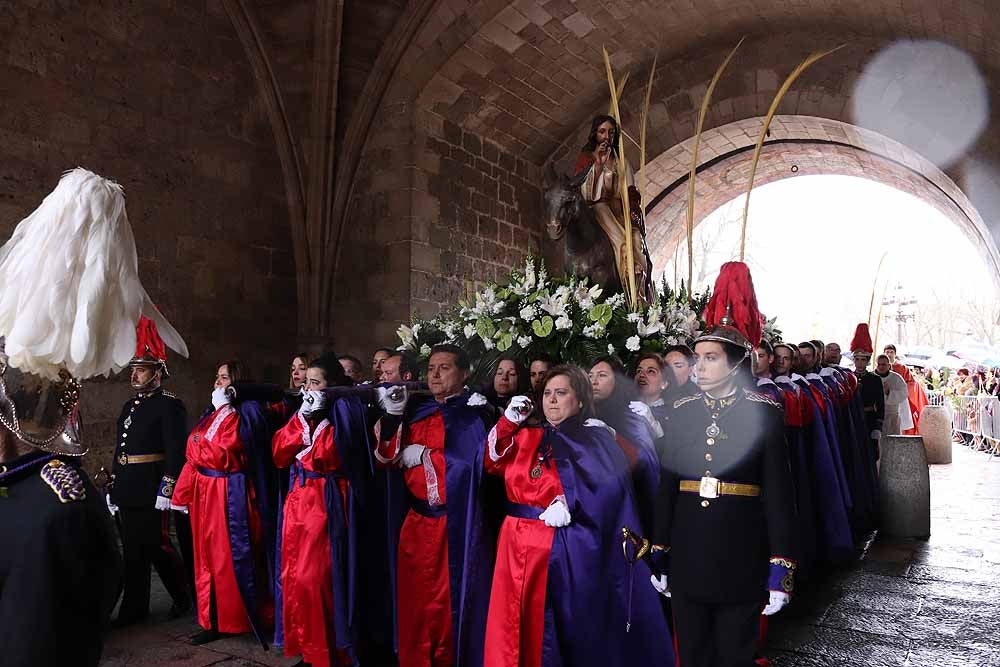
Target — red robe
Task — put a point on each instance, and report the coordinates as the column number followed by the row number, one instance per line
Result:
column 306, row 566
column 915, row 396
column 423, row 587
column 215, row 444
column 516, row 620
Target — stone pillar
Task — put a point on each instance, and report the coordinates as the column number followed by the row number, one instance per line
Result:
column 905, row 487
column 935, row 429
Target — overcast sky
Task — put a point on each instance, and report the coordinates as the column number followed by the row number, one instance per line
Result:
column 814, row 244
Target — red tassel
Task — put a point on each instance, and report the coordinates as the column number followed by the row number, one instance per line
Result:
column 148, row 338
column 734, row 289
column 862, row 339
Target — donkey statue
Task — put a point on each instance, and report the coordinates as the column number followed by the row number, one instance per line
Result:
column 586, row 249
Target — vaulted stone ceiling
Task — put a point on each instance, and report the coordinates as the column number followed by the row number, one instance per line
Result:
column 444, row 106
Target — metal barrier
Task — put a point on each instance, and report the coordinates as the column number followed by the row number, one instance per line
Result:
column 975, row 420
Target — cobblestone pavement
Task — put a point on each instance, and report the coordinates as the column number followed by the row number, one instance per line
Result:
column 912, row 603
column 907, row 603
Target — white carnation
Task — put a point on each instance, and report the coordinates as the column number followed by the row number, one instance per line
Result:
column 594, row 330
column 528, row 313
column 469, row 331
column 564, row 323
column 611, row 348
column 488, row 343
column 632, row 344
column 425, row 350
column 523, row 342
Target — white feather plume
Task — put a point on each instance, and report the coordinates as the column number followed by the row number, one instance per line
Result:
column 70, row 295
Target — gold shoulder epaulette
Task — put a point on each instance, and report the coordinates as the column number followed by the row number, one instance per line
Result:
column 687, row 399
column 64, row 480
column 762, row 398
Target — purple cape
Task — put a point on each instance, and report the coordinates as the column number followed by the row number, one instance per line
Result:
column 592, row 592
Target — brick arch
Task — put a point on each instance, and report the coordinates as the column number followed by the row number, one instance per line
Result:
column 798, row 146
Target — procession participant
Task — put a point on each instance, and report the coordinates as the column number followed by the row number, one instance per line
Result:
column 70, row 299
column 297, row 377
column 832, row 354
column 221, row 486
column 636, row 429
column 510, row 378
column 352, row 367
column 726, row 508
column 597, row 166
column 815, row 467
column 441, row 558
column 811, row 379
column 649, row 378
column 540, row 365
column 916, row 395
column 380, row 355
column 568, row 467
column 148, row 457
column 653, row 377
column 872, row 390
column 680, row 359
column 897, row 407
column 397, row 367
column 326, row 449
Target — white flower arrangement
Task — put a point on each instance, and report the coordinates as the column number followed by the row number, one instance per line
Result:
column 565, row 318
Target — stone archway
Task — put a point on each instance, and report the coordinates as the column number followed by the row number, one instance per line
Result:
column 798, row 146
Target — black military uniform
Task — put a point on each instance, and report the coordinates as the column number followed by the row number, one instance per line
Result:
column 149, row 455
column 60, row 572
column 725, row 511
column 873, row 397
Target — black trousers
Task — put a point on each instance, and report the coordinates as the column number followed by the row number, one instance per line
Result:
column 716, row 635
column 182, row 526
column 146, row 542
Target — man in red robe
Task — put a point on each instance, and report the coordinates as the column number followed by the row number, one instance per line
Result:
column 914, row 390
column 443, row 561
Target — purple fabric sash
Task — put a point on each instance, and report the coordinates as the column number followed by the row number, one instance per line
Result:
column 520, row 511
column 238, row 522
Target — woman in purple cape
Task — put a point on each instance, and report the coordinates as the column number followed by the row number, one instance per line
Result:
column 563, row 593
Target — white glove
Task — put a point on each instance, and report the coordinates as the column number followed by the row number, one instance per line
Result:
column 312, row 401
column 597, row 423
column 514, row 409
column 660, row 584
column 641, row 409
column 162, row 503
column 777, row 602
column 412, row 456
column 179, row 508
column 111, row 506
column 875, row 435
column 391, row 405
column 557, row 514
column 220, row 398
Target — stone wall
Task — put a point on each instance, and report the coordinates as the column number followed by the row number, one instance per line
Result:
column 437, row 212
column 159, row 97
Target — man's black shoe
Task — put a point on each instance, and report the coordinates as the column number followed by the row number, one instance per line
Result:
column 205, row 636
column 179, row 609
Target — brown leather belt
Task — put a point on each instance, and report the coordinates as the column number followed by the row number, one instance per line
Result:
column 127, row 459
column 709, row 487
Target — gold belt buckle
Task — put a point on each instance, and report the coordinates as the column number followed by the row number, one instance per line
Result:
column 709, row 487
